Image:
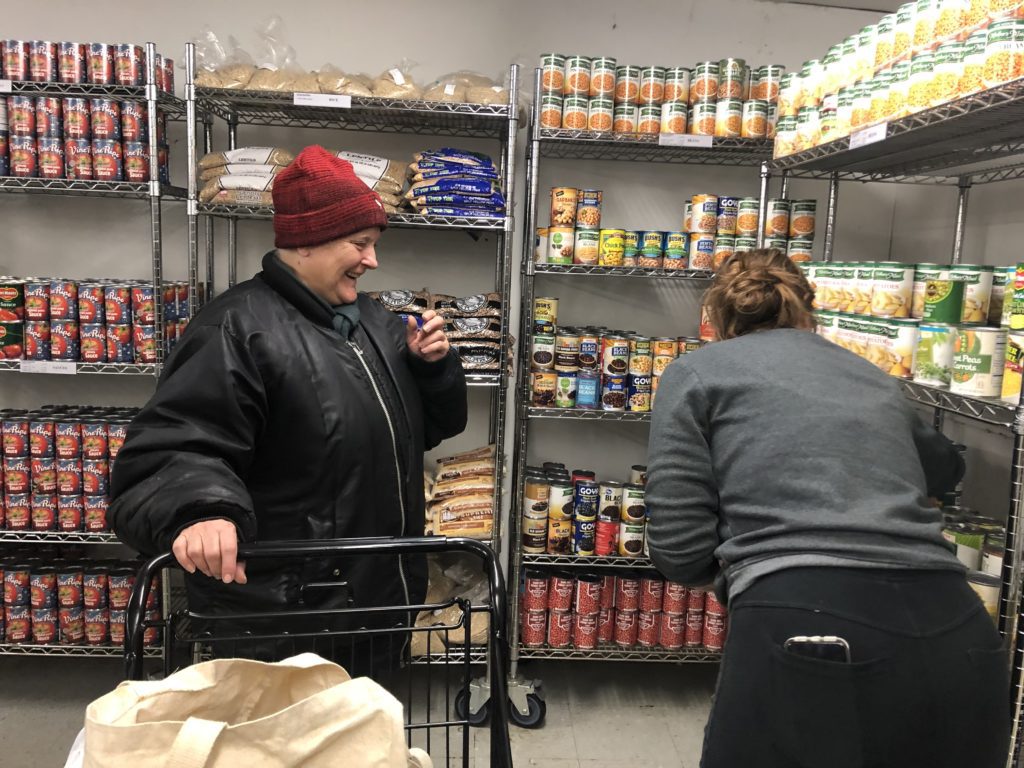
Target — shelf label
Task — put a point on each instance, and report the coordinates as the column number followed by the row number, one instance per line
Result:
column 322, row 100
column 5, row 86
column 49, row 366
column 684, row 140
column 868, row 135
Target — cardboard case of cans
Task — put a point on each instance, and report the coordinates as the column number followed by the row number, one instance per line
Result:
column 723, row 98
column 926, row 54
column 89, row 321
column 56, row 467
column 68, row 602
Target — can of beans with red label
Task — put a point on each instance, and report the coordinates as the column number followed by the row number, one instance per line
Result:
column 588, row 594
column 49, row 117
column 694, row 628
column 560, row 592
column 68, row 438
column 64, row 340
column 43, row 588
column 559, row 629
column 118, row 303
column 652, row 592
column 584, row 631
column 95, row 474
column 16, row 58
column 714, row 631
column 712, row 605
column 70, row 513
column 101, row 64
column 606, row 625
column 72, row 625
column 106, row 119
column 134, row 123
column 695, row 598
column 675, row 600
column 44, row 512
column 71, row 67
column 648, row 628
column 51, row 158
column 107, row 160
column 77, row 118
column 43, row 59
column 627, row 593
column 608, row 591
column 120, row 585
column 44, row 474
column 129, row 64
column 535, row 591
column 17, row 584
column 17, row 624
column 69, row 477
column 41, row 437
column 78, row 159
column 97, row 626
column 117, row 431
column 672, row 632
column 19, row 511
column 17, row 475
column 24, row 154
column 626, row 628
column 94, row 588
column 95, row 513
column 534, row 628
column 37, row 340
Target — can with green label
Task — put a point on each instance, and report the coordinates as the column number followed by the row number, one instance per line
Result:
column 933, row 356
column 978, row 359
column 943, row 301
column 977, row 292
column 922, row 274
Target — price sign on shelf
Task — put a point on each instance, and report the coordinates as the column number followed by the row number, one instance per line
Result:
column 65, row 367
column 868, row 135
column 5, row 86
column 684, row 140
column 322, row 100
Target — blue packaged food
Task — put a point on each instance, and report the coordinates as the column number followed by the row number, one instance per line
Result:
column 462, row 185
column 588, row 389
column 463, row 170
column 449, row 154
column 495, row 202
column 468, row 213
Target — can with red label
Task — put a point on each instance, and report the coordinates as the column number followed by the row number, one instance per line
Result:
column 136, row 161
column 94, row 588
column 44, row 512
column 5, row 155
column 37, row 299
column 50, row 153
column 69, row 586
column 71, row 67
column 648, row 628
column 21, row 116
column 143, row 305
column 695, row 598
column 560, row 592
column 15, row 430
column 101, row 64
column 17, row 584
column 17, row 475
column 627, row 593
column 95, row 477
column 72, row 625
column 606, row 536
column 63, row 300
column 165, row 73
column 106, row 119
column 672, row 633
column 70, row 513
column 129, row 64
column 77, row 118
column 41, row 437
column 24, row 157
column 68, row 438
column 107, row 160
column 559, row 629
column 118, row 303
column 49, row 117
column 713, row 606
column 44, row 626
column 588, row 594
column 37, row 340
column 694, row 628
column 43, row 60
column 44, row 475
column 626, row 628
column 134, row 123
column 12, row 300
column 675, row 600
column 19, row 511
column 120, row 345
column 606, row 625
column 93, row 343
column 95, row 513
column 535, row 591
column 584, row 631
column 652, row 593
column 78, row 159
column 117, row 431
column 151, row 634
column 16, row 58
column 91, row 300
column 608, row 591
column 714, row 631
column 43, row 588
column 64, row 340
column 69, row 477
column 17, row 624
column 97, row 626
column 153, row 599
column 117, row 626
column 120, row 588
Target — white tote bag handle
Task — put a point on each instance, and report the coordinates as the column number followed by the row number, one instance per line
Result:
column 194, row 743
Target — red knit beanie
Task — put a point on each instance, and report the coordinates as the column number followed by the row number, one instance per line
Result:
column 319, row 198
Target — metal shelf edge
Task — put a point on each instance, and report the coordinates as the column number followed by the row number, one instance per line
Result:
column 986, row 410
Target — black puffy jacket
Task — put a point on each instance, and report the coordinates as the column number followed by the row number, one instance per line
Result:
column 265, row 415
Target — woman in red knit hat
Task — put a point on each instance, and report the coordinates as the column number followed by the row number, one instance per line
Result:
column 294, row 408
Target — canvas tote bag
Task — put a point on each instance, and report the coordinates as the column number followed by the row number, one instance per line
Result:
column 304, row 711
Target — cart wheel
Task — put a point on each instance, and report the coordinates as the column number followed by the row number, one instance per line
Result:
column 535, row 717
column 475, row 719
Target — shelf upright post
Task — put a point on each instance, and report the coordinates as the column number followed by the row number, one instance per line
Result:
column 762, row 210
column 784, row 191
column 232, row 222
column 1010, row 598
column 152, row 102
column 193, row 182
column 963, row 190
column 830, row 216
column 208, row 223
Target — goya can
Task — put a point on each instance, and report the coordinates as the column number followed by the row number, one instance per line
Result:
column 71, row 67
column 728, row 211
column 545, row 314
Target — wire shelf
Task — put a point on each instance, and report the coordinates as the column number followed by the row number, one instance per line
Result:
column 701, row 275
column 576, row 561
column 987, row 410
column 122, row 189
column 170, row 104
column 586, row 415
column 618, row 653
column 974, row 129
column 364, row 114
column 649, row 147
column 58, row 537
column 477, row 655
column 106, row 651
column 397, row 220
column 122, row 369
column 483, row 379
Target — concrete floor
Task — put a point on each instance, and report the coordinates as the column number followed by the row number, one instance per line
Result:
column 599, row 715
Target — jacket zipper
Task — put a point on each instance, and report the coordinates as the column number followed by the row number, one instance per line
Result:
column 394, row 447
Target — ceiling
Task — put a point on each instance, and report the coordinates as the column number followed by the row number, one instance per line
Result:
column 880, row 6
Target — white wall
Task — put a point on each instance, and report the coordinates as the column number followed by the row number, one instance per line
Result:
column 81, row 238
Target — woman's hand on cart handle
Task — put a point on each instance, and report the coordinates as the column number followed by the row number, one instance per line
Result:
column 210, row 546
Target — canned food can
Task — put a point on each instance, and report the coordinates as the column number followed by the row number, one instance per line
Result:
column 43, row 588
column 64, row 342
column 49, row 118
column 634, row 508
column 602, row 78
column 560, row 591
column 37, row 340
column 5, row 154
column 16, row 60
column 627, row 593
column 117, row 627
column 136, row 162
column 705, row 82
column 978, row 362
column 534, row 628
column 977, row 282
column 694, row 635
column 677, row 84
column 728, row 211
column 892, row 290
column 50, row 153
column 652, row 86
column 107, row 160
column 18, row 508
column 729, row 118
column 551, row 106
column 801, row 219
column 559, row 629
column 70, row 587
column 565, row 390
column 95, row 475
column 144, row 343
column 41, row 438
column 704, row 214
column 94, row 588
column 567, row 351
column 97, row 626
column 648, row 628
column 70, row 513
column 587, row 496
column 606, row 626
column 611, row 247
column 72, row 625
column 586, row 247
column 17, row 624
column 68, row 438
column 63, row 300
column 552, row 77
column 117, row 432
column 800, row 249
column 606, row 536
column 105, row 115
column 129, row 64
column 93, row 343
column 614, row 355
column 614, row 393
column 77, row 116
column 535, row 532
column 590, row 351
column 577, row 76
column 755, row 119
column 626, row 628
column 588, row 385
column 24, row 156
column 78, row 159
column 747, row 213
column 625, row 118
column 542, row 356
column 16, row 437
column 672, row 631
column 543, row 389
column 117, row 303
column 564, row 201
column 600, row 115
column 674, row 116
column 630, row 539
column 71, row 67
column 704, row 118
column 43, row 60
column 652, row 594
column 95, row 513
column 69, row 476
column 584, row 631
column 702, row 251
column 587, row 599
column 649, row 119
column 101, row 64
column 674, row 600
column 588, row 210
column 777, row 218
column 535, row 591
column 627, row 85
column 714, row 631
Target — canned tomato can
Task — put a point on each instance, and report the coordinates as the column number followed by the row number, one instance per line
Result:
column 17, row 624
column 704, row 84
column 17, row 584
column 94, row 439
column 97, row 626
column 624, row 118
column 144, row 343
column 611, row 247
column 729, row 118
column 534, row 627
column 648, row 628
column 606, row 626
column 43, row 60
column 117, row 302
column 674, row 600
column 559, row 629
column 134, row 125
column 94, row 588
column 95, row 513
column 107, row 160
column 627, row 85
column 627, row 593
column 16, row 437
column 136, row 162
column 120, row 583
column 70, row 586
column 37, row 299
column 105, row 115
column 560, row 591
column 78, row 159
column 713, row 632
column 41, row 437
column 649, row 119
column 165, row 73
column 70, row 513
column 602, row 78
column 577, row 76
column 72, row 625
column 95, row 477
column 672, row 633
column 44, row 511
column 43, row 588
column 68, row 438
column 552, row 77
column 19, row 511
column 674, row 116
column 117, row 626
column 101, row 64
column 5, row 155
column 49, row 118
column 728, row 212
column 587, row 600
column 652, row 86
column 677, row 84
column 64, row 343
column 626, row 628
column 24, row 157
column 129, row 64
column 535, row 591
column 16, row 60
column 71, row 67
column 69, row 476
column 694, row 636
column 50, row 153
column 91, row 307
column 63, row 300
column 92, row 343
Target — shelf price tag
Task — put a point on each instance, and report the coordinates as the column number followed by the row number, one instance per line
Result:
column 868, row 135
column 684, row 140
column 65, row 367
column 322, row 100
column 5, row 86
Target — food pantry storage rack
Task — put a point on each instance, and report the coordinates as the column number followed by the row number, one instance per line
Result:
column 974, row 140
column 498, row 122
column 528, row 707
column 156, row 193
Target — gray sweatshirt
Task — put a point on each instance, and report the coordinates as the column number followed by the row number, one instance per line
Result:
column 780, row 449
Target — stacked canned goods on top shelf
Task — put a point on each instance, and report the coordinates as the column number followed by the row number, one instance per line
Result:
column 56, row 466
column 89, row 321
column 42, row 61
column 593, row 367
column 68, row 602
column 724, row 98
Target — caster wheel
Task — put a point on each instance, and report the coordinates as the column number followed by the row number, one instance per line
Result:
column 462, row 712
column 535, row 717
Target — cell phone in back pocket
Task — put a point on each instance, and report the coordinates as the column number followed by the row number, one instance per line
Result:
column 821, row 647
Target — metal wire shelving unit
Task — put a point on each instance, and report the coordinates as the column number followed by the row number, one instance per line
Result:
column 58, row 537
column 595, row 271
column 620, row 653
column 581, row 414
column 79, row 651
column 46, row 366
column 497, row 122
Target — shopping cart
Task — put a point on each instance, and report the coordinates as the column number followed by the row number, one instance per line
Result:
column 436, row 720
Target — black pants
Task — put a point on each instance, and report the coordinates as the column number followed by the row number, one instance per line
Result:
column 928, row 684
